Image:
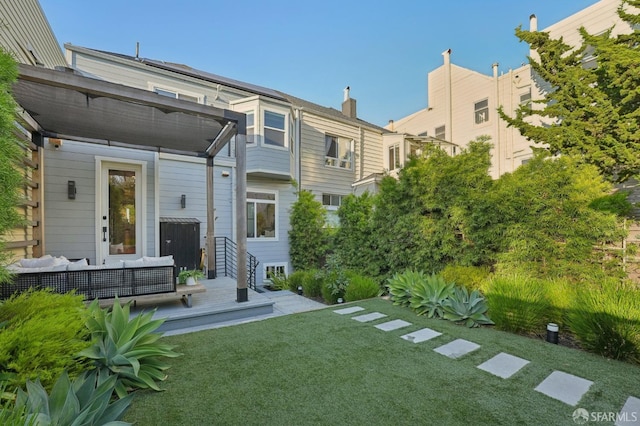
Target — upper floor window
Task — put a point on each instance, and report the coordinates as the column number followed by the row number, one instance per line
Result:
column 338, row 152
column 261, row 215
column 176, row 95
column 394, row 157
column 481, row 111
column 440, row 132
column 251, row 127
column 525, row 100
column 274, row 128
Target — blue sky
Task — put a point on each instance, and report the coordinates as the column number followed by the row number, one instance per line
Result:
column 382, row 49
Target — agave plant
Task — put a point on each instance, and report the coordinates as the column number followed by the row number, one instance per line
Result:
column 128, row 348
column 429, row 295
column 400, row 286
column 470, row 308
column 85, row 401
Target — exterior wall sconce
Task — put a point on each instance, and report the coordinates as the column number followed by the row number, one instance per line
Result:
column 183, row 201
column 71, row 190
column 225, row 174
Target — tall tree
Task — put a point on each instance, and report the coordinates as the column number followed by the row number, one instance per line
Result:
column 592, row 107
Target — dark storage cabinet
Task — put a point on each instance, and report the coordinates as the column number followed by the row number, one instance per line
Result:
column 180, row 237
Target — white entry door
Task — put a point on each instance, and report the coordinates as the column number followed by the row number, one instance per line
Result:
column 121, row 212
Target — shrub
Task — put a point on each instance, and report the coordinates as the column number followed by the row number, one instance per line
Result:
column 401, row 286
column 471, row 277
column 308, row 237
column 127, row 348
column 85, row 401
column 312, row 284
column 519, row 303
column 43, row 332
column 360, row 287
column 428, row 296
column 335, row 281
column 296, row 279
column 606, row 320
column 462, row 306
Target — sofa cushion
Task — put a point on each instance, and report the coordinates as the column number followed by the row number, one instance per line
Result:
column 78, row 265
column 158, row 261
column 44, row 261
column 138, row 263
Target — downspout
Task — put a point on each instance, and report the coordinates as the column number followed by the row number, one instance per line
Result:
column 298, row 146
column 496, row 125
column 448, row 96
column 361, row 131
column 156, row 196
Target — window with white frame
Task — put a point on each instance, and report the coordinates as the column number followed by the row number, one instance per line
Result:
column 332, row 202
column 261, row 215
column 481, row 111
column 170, row 93
column 271, row 269
column 291, row 135
column 394, row 157
column 440, row 132
column 251, row 126
column 274, row 128
column 338, row 152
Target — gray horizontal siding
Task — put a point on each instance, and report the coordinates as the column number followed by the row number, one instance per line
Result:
column 273, row 251
column 70, row 224
column 260, row 158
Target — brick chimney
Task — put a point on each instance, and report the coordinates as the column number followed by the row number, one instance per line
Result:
column 348, row 105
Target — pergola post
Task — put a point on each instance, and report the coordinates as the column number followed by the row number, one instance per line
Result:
column 241, row 212
column 211, row 217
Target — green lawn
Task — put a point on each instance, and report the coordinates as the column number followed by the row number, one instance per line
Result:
column 320, row 368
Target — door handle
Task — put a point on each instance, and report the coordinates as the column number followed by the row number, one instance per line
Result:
column 104, row 233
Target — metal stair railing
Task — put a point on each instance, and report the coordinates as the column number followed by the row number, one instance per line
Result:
column 226, row 256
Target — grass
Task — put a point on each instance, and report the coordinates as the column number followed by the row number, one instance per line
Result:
column 321, row 368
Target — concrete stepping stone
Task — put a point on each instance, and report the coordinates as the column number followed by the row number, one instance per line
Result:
column 369, row 317
column 457, row 348
column 564, row 387
column 630, row 413
column 421, row 335
column 351, row 310
column 392, row 325
column 503, row 365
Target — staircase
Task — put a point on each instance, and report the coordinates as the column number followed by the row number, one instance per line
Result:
column 226, row 256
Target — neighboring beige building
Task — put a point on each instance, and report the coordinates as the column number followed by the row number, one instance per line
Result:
column 462, row 103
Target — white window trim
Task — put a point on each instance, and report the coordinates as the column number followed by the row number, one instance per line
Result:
column 277, row 218
column 285, row 265
column 351, row 149
column 153, row 86
column 261, row 126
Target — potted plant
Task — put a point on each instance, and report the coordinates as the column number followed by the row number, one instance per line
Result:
column 190, row 276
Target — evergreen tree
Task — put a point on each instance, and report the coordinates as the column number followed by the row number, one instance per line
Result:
column 593, row 106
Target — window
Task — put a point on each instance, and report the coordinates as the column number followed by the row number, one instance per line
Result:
column 338, row 152
column 331, row 200
column 274, row 128
column 176, row 95
column 250, row 127
column 525, row 100
column 261, row 215
column 291, row 136
column 482, row 111
column 440, row 132
column 394, row 157
column 271, row 269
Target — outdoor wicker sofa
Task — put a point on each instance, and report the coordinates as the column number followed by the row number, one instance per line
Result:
column 145, row 276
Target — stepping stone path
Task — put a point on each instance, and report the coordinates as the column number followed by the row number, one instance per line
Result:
column 503, row 365
column 347, row 311
column 630, row 413
column 564, row 387
column 369, row 317
column 558, row 385
column 457, row 348
column 421, row 335
column 392, row 325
